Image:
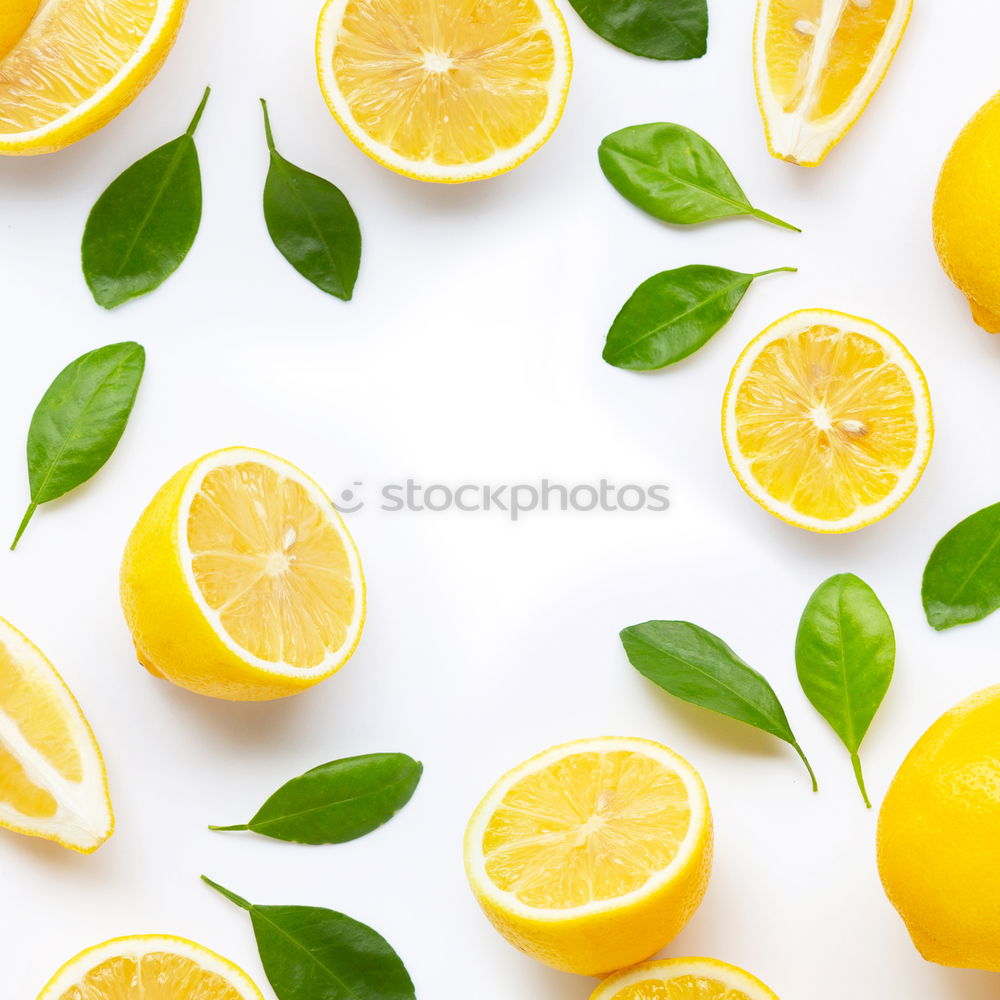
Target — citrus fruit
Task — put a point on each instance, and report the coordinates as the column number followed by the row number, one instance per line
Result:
column 593, row 855
column 240, row 580
column 683, row 979
column 441, row 90
column 150, row 967
column 817, row 65
column 52, row 778
column 67, row 67
column 827, row 421
column 967, row 215
column 937, row 837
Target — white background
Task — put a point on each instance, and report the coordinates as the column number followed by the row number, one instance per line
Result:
column 471, row 353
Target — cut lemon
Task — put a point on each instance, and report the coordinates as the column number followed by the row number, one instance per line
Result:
column 240, row 580
column 683, row 979
column 817, row 64
column 67, row 67
column 827, row 421
column 445, row 90
column 52, row 778
column 150, row 967
column 593, row 855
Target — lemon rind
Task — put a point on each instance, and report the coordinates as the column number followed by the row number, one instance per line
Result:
column 426, row 170
column 508, row 902
column 85, row 819
column 730, row 976
column 807, row 144
column 136, row 946
column 865, row 515
column 106, row 103
column 234, row 456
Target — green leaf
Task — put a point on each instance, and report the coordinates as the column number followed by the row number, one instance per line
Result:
column 962, row 578
column 845, row 652
column 657, row 29
column 80, row 420
column 698, row 667
column 310, row 953
column 674, row 313
column 675, row 175
column 339, row 801
column 142, row 227
column 312, row 223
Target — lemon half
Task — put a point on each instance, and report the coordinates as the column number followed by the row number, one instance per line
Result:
column 683, row 979
column 827, row 421
column 240, row 580
column 593, row 855
column 67, row 67
column 445, row 90
column 147, row 967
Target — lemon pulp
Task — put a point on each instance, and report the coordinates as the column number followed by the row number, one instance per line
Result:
column 681, row 988
column 270, row 564
column 589, row 827
column 156, row 976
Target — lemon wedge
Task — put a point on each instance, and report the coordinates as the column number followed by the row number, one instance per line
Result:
column 817, row 64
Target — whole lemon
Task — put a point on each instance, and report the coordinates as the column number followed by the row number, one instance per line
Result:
column 967, row 215
column 939, row 833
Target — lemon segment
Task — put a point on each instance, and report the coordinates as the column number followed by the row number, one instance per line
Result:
column 827, row 421
column 150, row 967
column 967, row 215
column 937, row 835
column 444, row 91
column 683, row 979
column 593, row 855
column 240, row 580
column 817, row 64
column 68, row 66
column 52, row 778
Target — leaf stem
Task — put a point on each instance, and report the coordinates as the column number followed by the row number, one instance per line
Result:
column 776, row 270
column 267, row 126
column 197, row 115
column 231, row 896
column 805, row 760
column 856, row 762
column 774, row 220
column 230, row 829
column 28, row 514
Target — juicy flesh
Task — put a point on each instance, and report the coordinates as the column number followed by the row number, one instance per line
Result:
column 680, row 988
column 827, row 421
column 157, row 976
column 271, row 564
column 588, row 828
column 796, row 39
column 70, row 50
column 29, row 703
column 447, row 81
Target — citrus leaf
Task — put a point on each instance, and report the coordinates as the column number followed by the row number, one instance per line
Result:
column 845, row 652
column 656, row 29
column 698, row 667
column 142, row 227
column 337, row 802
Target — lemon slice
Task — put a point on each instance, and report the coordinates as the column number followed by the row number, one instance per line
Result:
column 240, row 580
column 827, row 421
column 441, row 90
column 67, row 67
column 817, row 64
column 150, row 967
column 593, row 855
column 683, row 979
column 52, row 778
